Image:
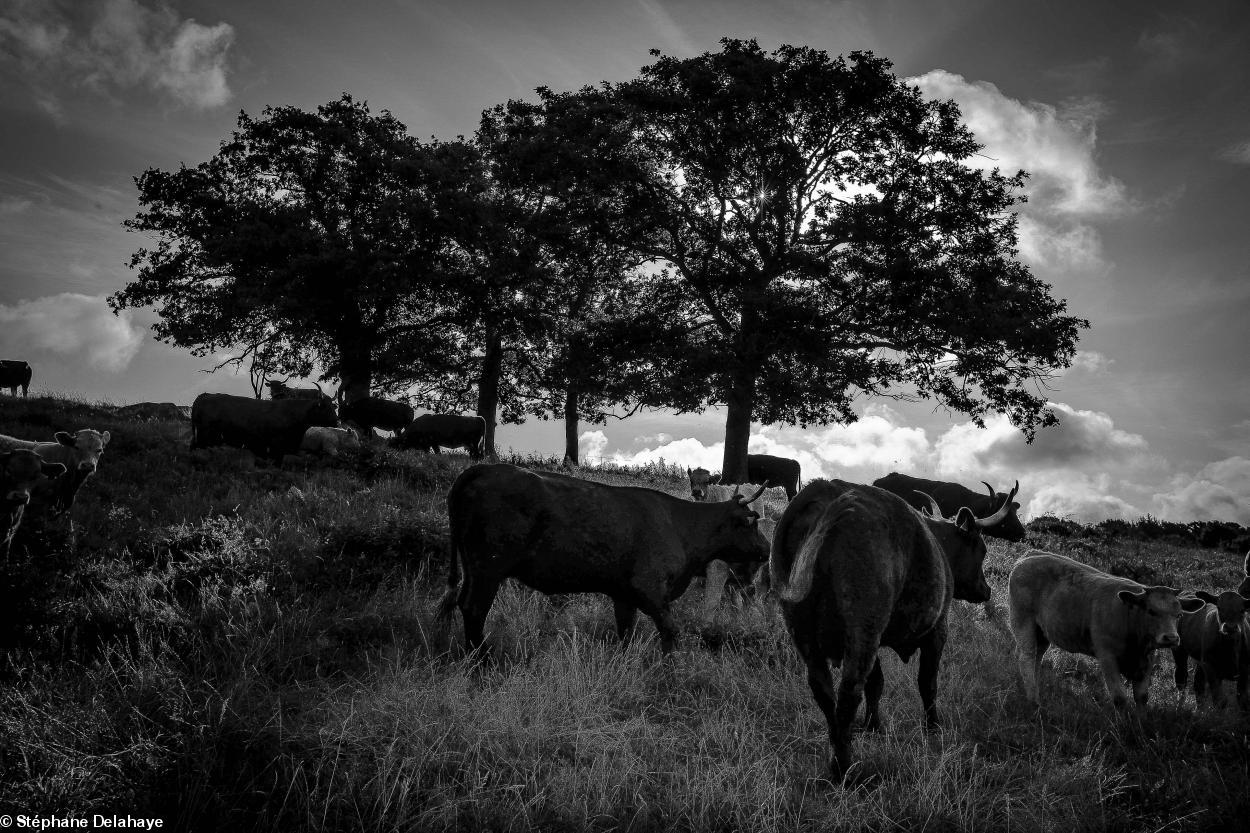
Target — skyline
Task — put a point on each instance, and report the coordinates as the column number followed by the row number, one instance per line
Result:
column 1133, row 127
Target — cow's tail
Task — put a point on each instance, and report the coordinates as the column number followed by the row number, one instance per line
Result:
column 795, row 587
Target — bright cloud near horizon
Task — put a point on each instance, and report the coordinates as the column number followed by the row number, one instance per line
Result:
column 1129, row 123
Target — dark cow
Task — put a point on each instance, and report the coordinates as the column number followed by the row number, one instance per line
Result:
column 1078, row 608
column 428, row 432
column 78, row 452
column 280, row 390
column 561, row 534
column 761, row 468
column 951, row 497
column 20, row 471
column 268, row 428
column 858, row 569
column 375, row 412
column 1218, row 639
column 14, row 375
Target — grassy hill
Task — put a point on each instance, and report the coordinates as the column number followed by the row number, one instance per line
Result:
column 241, row 648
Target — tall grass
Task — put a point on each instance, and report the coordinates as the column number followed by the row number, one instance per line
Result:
column 244, row 648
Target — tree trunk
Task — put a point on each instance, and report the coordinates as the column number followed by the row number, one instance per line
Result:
column 355, row 369
column 570, row 424
column 488, row 388
column 740, row 402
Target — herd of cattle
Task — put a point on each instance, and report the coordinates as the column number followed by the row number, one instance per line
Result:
column 855, row 568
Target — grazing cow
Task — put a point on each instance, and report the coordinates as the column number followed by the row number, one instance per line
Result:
column 1078, row 608
column 21, row 470
column 329, row 441
column 561, row 534
column 430, row 431
column 742, row 574
column 1218, row 638
column 14, row 375
column 952, row 496
column 375, row 412
column 761, row 468
column 268, row 428
column 79, row 453
column 153, row 411
column 858, row 569
column 1243, row 589
column 280, row 390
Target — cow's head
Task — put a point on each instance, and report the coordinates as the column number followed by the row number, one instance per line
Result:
column 1009, row 528
column 87, row 445
column 1160, row 607
column 321, row 411
column 700, row 479
column 960, row 537
column 20, row 470
column 1230, row 609
column 738, row 536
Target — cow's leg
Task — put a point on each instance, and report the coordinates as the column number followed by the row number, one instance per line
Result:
column 1112, row 677
column 1181, row 658
column 476, row 597
column 820, row 681
column 856, row 667
column 1216, row 686
column 1200, row 681
column 1031, row 645
column 664, row 623
column 872, row 697
column 926, row 680
column 1141, row 682
column 625, row 614
column 717, row 573
column 1243, row 685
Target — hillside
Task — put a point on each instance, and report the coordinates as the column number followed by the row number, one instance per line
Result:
column 240, row 648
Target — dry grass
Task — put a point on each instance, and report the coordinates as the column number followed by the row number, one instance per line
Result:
column 251, row 649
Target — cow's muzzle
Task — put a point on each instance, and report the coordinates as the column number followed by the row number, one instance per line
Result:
column 1169, row 640
column 1228, row 631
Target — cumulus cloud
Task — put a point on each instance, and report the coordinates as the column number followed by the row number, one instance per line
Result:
column 1238, row 152
column 116, row 45
column 1080, row 498
column 1219, row 492
column 70, row 324
column 1056, row 145
column 1091, row 362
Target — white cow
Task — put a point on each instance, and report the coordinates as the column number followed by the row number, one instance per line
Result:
column 329, row 441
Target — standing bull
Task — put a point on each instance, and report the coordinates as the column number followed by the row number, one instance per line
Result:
column 14, row 375
column 268, row 428
column 1056, row 600
column 761, row 468
column 430, row 431
column 374, row 412
column 1217, row 637
column 858, row 569
column 951, row 496
column 560, row 534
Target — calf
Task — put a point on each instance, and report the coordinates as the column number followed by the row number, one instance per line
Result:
column 329, row 441
column 561, row 534
column 1077, row 608
column 79, row 453
column 20, row 471
column 1218, row 639
column 856, row 570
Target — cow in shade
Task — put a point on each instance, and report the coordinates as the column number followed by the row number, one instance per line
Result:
column 857, row 569
column 78, row 452
column 429, row 432
column 561, row 534
column 281, row 390
column 268, row 428
column 21, row 470
column 1078, row 608
column 951, row 497
column 1217, row 638
column 374, row 412
column 14, row 375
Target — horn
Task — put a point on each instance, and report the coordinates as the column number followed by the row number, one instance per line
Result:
column 753, row 497
column 1003, row 510
column 993, row 494
column 934, row 509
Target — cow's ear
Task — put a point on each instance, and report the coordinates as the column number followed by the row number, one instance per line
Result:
column 1130, row 598
column 965, row 519
column 1207, row 598
column 104, row 439
column 64, row 438
column 1191, row 605
column 53, row 469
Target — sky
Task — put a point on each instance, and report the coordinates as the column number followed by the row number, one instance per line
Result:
column 1132, row 119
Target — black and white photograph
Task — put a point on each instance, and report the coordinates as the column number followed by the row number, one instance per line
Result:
column 624, row 415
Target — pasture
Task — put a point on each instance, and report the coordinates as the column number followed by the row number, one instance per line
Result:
column 241, row 648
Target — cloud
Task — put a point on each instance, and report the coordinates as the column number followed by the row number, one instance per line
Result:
column 70, row 324
column 115, row 46
column 1238, row 153
column 1220, row 491
column 1092, row 362
column 1080, row 499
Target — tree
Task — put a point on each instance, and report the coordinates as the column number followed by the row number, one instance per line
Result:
column 327, row 231
column 816, row 218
